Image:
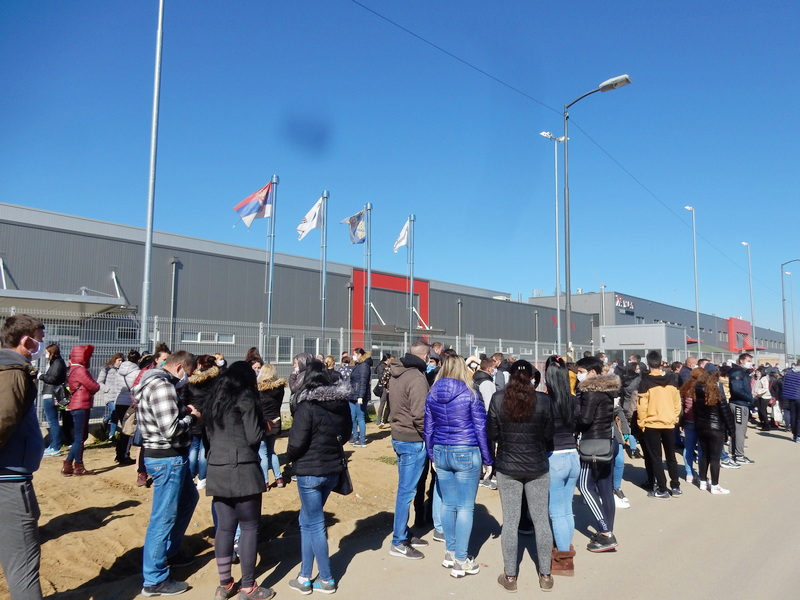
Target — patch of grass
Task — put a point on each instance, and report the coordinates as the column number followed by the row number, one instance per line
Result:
column 389, row 460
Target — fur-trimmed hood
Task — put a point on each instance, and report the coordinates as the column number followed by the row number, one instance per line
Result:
column 601, row 383
column 272, row 384
column 201, row 376
column 327, row 393
column 364, row 357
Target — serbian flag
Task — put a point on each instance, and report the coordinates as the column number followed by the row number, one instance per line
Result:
column 256, row 206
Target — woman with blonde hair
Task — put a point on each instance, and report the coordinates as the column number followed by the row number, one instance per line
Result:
column 455, row 439
column 271, row 390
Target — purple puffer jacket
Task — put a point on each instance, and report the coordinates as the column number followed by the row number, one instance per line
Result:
column 455, row 416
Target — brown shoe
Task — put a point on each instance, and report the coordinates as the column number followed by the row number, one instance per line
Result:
column 141, row 479
column 79, row 470
column 546, row 582
column 562, row 563
column 509, row 584
column 66, row 469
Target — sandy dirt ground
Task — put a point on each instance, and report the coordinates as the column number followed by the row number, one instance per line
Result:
column 735, row 546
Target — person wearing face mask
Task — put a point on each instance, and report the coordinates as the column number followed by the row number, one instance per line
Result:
column 741, row 401
column 83, row 388
column 359, row 401
column 21, row 448
column 166, row 423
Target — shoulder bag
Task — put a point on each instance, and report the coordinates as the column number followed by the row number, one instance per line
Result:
column 596, row 451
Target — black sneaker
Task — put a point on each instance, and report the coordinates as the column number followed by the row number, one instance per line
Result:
column 637, row 454
column 180, row 560
column 661, row 494
column 675, row 492
column 168, row 587
column 416, row 542
column 602, row 543
column 743, row 460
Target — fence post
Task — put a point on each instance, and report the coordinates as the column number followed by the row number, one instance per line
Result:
column 261, row 341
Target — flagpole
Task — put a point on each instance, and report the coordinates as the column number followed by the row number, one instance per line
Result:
column 271, row 261
column 324, row 270
column 411, row 220
column 368, row 248
column 144, row 331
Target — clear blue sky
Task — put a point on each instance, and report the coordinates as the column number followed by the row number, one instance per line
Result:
column 330, row 96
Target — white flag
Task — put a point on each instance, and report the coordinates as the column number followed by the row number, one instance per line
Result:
column 312, row 220
column 402, row 239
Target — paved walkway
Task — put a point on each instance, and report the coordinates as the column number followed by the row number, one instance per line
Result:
column 697, row 546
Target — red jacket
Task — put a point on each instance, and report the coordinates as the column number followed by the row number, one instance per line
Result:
column 80, row 382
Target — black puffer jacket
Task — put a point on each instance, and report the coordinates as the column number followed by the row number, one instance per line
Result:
column 198, row 391
column 596, row 415
column 707, row 417
column 271, row 398
column 521, row 447
column 55, row 375
column 360, row 378
column 322, row 414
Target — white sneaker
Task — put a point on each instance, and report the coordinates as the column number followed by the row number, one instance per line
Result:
column 201, row 484
column 620, row 503
column 448, row 562
column 468, row 567
column 689, row 478
column 703, row 485
column 715, row 489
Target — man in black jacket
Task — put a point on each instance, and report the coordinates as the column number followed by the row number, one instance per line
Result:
column 741, row 402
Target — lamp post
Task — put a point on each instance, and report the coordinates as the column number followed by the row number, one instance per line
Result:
column 752, row 309
column 791, row 294
column 696, row 287
column 783, row 311
column 606, row 86
column 556, row 140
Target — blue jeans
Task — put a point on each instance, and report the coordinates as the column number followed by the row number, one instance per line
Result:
column 198, row 465
column 51, row 414
column 619, row 467
column 359, row 421
column 689, row 448
column 109, row 418
column 80, row 418
column 458, row 471
column 410, row 462
column 314, row 491
column 266, row 451
column 174, row 500
column 564, row 470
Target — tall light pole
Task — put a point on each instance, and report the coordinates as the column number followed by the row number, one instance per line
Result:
column 606, row 86
column 791, row 295
column 696, row 287
column 783, row 311
column 556, row 140
column 752, row 309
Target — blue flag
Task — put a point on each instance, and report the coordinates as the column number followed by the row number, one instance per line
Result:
column 357, row 226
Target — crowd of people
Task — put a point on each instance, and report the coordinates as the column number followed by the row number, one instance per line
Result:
column 456, row 424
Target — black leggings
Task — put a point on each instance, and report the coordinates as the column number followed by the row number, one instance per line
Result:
column 710, row 441
column 244, row 512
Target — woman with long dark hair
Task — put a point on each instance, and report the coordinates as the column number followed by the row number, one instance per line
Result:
column 320, row 428
column 563, row 462
column 234, row 429
column 713, row 418
column 520, row 421
column 455, row 439
column 54, row 378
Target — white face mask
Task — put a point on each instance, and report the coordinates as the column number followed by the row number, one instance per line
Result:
column 582, row 376
column 220, row 363
column 39, row 352
column 748, row 365
column 182, row 381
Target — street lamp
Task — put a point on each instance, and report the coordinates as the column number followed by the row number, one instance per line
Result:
column 794, row 331
column 783, row 310
column 696, row 287
column 606, row 86
column 556, row 140
column 752, row 309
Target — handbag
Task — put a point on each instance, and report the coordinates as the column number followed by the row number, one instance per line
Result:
column 61, row 396
column 596, row 451
column 345, row 485
column 129, row 421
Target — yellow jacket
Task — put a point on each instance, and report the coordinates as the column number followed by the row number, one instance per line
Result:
column 659, row 402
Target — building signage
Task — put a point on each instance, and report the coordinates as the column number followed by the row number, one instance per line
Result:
column 622, row 303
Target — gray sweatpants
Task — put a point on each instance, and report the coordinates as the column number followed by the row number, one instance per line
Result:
column 537, row 492
column 741, row 414
column 20, row 552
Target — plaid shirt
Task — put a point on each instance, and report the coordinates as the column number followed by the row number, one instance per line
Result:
column 162, row 418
